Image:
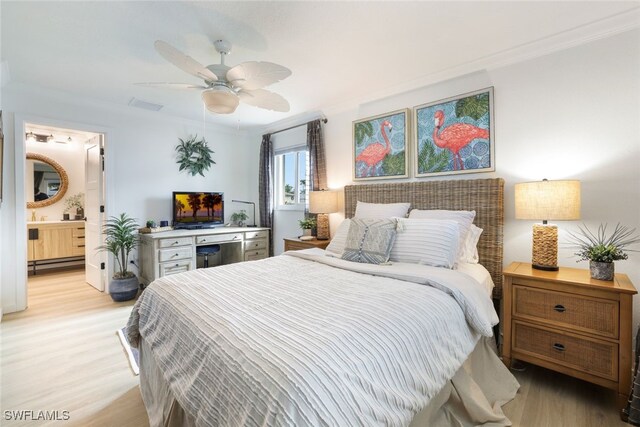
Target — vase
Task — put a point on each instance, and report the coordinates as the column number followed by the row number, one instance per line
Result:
column 601, row 270
column 306, row 232
column 124, row 289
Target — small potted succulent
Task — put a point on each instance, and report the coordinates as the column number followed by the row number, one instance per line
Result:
column 238, row 218
column 120, row 239
column 307, row 224
column 602, row 249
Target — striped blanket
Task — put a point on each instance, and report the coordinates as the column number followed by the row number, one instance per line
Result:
column 293, row 341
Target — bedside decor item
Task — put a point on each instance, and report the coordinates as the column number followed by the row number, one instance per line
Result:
column 194, row 155
column 547, row 200
column 307, row 224
column 455, row 135
column 254, row 211
column 323, row 203
column 120, row 240
column 380, row 146
column 601, row 250
column 239, row 218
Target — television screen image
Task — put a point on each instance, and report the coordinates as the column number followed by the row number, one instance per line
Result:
column 198, row 208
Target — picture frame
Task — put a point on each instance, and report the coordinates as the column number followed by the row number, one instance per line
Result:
column 381, row 146
column 455, row 135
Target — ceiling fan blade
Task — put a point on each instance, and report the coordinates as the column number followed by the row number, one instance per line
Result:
column 262, row 98
column 256, row 75
column 184, row 62
column 179, row 86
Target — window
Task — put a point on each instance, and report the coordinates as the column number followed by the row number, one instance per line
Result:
column 291, row 179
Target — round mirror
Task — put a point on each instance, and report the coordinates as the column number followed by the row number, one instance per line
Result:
column 50, row 181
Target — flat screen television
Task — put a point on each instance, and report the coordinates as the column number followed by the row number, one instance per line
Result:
column 197, row 209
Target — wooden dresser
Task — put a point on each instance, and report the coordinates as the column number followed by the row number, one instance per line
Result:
column 568, row 322
column 295, row 244
column 50, row 241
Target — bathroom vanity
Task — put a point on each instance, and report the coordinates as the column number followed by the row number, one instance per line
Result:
column 54, row 242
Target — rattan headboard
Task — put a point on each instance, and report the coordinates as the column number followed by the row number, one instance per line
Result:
column 485, row 196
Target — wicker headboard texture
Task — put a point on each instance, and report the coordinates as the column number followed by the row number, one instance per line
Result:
column 485, row 196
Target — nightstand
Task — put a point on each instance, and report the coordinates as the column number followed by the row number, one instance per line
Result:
column 568, row 322
column 295, row 244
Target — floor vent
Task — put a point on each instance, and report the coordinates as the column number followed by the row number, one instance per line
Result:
column 135, row 102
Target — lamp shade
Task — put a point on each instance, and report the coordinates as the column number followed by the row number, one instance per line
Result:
column 220, row 99
column 548, row 200
column 323, row 201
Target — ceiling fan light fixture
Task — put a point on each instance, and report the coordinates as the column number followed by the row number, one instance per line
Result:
column 220, row 99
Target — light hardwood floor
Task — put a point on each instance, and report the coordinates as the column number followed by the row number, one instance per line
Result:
column 62, row 353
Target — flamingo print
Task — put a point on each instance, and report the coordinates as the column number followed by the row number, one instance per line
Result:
column 376, row 152
column 455, row 137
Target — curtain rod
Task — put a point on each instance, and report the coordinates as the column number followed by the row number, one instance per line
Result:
column 296, row 126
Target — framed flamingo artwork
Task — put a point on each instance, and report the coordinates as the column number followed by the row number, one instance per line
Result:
column 380, row 146
column 455, row 135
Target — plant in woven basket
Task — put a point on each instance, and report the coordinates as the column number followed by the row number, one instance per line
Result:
column 194, row 155
column 601, row 248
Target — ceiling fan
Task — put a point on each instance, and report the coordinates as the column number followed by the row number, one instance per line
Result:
column 224, row 87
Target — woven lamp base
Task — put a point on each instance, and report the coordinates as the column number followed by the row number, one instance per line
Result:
column 545, row 247
column 322, row 227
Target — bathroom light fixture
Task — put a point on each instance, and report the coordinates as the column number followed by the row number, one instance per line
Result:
column 50, row 138
column 31, row 137
column 69, row 140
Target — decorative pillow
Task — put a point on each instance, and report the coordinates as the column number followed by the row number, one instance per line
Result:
column 426, row 241
column 370, row 240
column 471, row 245
column 463, row 218
column 339, row 239
column 381, row 210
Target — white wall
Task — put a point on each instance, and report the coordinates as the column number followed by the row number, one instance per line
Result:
column 573, row 114
column 140, row 165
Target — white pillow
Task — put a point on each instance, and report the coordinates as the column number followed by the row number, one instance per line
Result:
column 381, row 210
column 426, row 241
column 339, row 240
column 463, row 218
column 471, row 245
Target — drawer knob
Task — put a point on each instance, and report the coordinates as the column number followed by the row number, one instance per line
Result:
column 177, row 265
column 175, row 243
column 558, row 347
column 177, row 255
column 559, row 308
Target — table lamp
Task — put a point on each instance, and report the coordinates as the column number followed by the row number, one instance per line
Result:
column 547, row 200
column 323, row 203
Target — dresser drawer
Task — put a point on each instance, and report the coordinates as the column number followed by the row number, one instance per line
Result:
column 255, row 244
column 218, row 238
column 176, row 241
column 590, row 356
column 255, row 255
column 169, row 268
column 256, row 234
column 584, row 314
column 183, row 252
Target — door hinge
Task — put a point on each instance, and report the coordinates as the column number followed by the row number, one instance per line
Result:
column 101, row 208
column 102, row 266
column 101, row 151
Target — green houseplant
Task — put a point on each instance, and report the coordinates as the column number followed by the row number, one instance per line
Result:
column 120, row 239
column 238, row 218
column 307, row 224
column 75, row 202
column 602, row 249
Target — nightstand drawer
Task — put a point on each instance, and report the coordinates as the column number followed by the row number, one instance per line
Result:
column 590, row 356
column 579, row 313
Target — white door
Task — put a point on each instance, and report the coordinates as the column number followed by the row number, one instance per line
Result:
column 94, row 199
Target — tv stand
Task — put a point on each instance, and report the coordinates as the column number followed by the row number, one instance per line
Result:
column 171, row 252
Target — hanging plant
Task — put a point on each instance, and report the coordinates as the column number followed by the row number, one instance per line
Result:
column 194, row 155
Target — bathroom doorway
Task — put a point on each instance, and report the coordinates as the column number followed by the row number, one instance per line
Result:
column 65, row 194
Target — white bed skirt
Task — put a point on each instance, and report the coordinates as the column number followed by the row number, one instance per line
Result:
column 474, row 396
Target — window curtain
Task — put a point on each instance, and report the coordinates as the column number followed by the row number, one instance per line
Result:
column 265, row 184
column 631, row 413
column 317, row 163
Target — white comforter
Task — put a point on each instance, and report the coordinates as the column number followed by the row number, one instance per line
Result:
column 292, row 341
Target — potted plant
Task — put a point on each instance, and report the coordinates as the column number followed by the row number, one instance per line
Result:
column 120, row 239
column 238, row 218
column 74, row 202
column 307, row 224
column 601, row 250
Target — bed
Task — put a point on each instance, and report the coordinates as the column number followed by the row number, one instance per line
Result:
column 308, row 339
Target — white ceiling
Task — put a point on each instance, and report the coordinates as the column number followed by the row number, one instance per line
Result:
column 339, row 52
